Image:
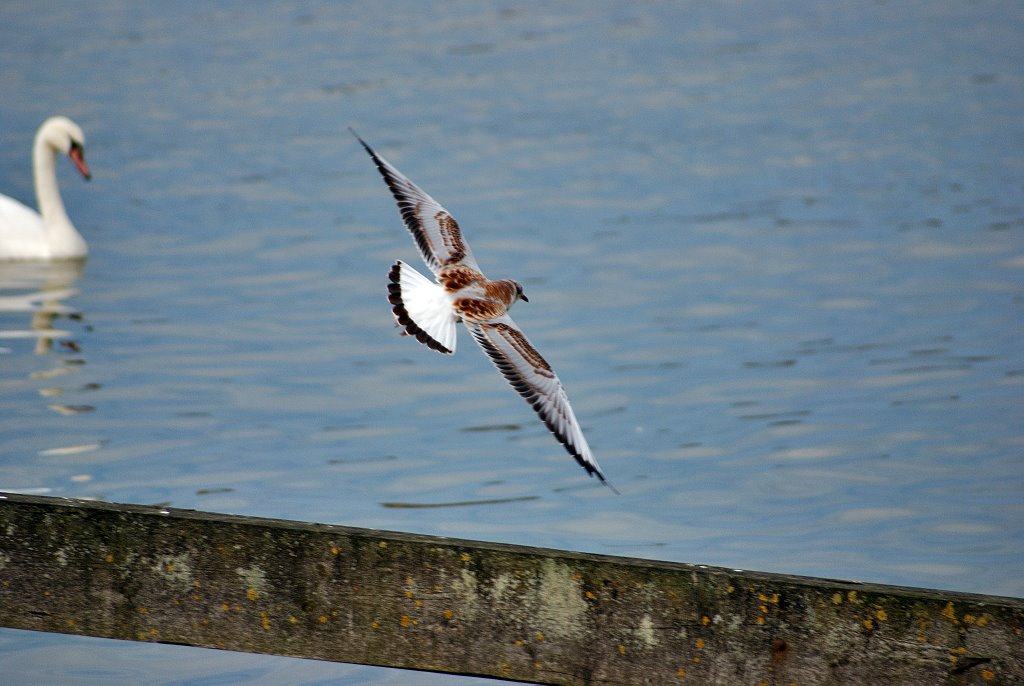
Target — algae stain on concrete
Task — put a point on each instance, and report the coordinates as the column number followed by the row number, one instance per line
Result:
column 645, row 632
column 175, row 569
column 562, row 608
column 255, row 579
column 465, row 590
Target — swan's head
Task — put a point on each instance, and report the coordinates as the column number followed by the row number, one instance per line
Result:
column 65, row 136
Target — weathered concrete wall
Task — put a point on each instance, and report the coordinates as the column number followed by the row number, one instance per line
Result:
column 529, row 614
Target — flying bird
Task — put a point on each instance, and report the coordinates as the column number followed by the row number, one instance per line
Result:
column 429, row 311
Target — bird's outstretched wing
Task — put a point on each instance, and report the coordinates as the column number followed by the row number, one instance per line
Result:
column 531, row 375
column 435, row 231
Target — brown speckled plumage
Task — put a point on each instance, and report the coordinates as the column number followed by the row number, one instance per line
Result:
column 478, row 310
column 455, row 277
column 430, row 312
column 451, row 236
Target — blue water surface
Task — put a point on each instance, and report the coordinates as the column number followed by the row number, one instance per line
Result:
column 775, row 251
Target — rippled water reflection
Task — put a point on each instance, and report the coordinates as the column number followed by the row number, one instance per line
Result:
column 776, row 258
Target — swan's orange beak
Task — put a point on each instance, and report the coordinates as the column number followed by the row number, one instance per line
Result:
column 77, row 155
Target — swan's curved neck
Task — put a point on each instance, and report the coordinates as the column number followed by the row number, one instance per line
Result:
column 44, row 170
column 64, row 240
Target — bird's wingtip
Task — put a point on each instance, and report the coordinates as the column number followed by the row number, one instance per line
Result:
column 358, row 137
column 606, row 482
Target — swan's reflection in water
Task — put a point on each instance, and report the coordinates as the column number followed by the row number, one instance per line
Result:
column 39, row 291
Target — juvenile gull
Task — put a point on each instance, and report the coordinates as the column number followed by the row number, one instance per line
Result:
column 429, row 311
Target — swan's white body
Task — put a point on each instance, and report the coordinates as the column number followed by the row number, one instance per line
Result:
column 48, row 234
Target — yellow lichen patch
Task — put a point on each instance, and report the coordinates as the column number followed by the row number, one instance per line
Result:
column 705, row 620
column 374, row 625
column 760, row 620
column 154, row 632
column 762, row 597
column 696, row 659
column 335, row 550
column 418, row 603
column 519, row 642
column 224, row 606
column 251, row 594
column 837, row 598
column 949, row 612
column 505, row 668
column 764, row 609
column 775, row 598
column 143, row 610
column 197, row 584
column 730, row 589
column 405, row 621
column 409, row 594
column 465, row 557
column 322, row 619
column 852, row 596
column 681, row 673
column 71, row 623
column 292, row 620
column 540, row 636
column 988, row 674
column 448, row 614
column 982, row 620
column 109, row 558
column 969, row 619
column 264, row 620
column 622, row 649
column 382, row 544
column 590, row 595
column 868, row 624
column 140, row 636
column 881, row 615
column 700, row 644
column 409, row 581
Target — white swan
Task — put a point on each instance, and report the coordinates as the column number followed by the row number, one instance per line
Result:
column 48, row 234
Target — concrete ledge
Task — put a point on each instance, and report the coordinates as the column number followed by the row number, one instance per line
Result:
column 467, row 607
